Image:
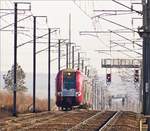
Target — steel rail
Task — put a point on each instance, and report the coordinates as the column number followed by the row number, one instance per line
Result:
column 84, row 122
column 111, row 119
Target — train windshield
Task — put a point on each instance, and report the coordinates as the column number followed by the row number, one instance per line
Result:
column 69, row 80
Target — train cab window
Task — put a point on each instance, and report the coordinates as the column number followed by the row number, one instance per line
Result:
column 69, row 80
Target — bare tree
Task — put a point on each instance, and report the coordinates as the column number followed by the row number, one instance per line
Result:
column 20, row 77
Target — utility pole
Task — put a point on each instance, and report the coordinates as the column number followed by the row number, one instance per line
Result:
column 49, row 69
column 82, row 65
column 72, row 57
column 101, row 96
column 146, row 59
column 15, row 60
column 78, row 60
column 95, row 96
column 34, row 61
column 88, row 72
column 98, row 96
column 14, row 111
column 67, row 55
column 85, row 70
column 59, row 55
column 69, row 40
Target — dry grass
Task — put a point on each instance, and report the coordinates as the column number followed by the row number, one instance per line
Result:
column 24, row 103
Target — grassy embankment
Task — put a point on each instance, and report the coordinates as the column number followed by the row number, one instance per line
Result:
column 24, row 103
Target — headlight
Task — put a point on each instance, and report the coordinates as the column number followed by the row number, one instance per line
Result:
column 78, row 93
column 59, row 93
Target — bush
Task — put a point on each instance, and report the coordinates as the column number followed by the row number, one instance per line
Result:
column 24, row 102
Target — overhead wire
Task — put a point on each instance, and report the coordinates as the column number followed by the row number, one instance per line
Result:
column 6, row 4
column 112, row 21
column 95, row 28
column 82, row 9
column 94, row 25
column 127, row 7
column 13, row 23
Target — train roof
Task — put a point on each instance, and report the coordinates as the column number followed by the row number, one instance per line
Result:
column 74, row 70
column 69, row 70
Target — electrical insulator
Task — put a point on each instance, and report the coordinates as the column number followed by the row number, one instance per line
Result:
column 108, row 77
column 136, row 76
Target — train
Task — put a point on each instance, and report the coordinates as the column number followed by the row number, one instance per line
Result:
column 73, row 89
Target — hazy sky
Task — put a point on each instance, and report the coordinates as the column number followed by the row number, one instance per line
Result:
column 57, row 13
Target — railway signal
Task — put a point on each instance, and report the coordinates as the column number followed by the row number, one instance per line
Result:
column 108, row 77
column 136, row 76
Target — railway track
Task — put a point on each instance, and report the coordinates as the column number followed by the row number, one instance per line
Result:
column 96, row 122
column 81, row 120
column 25, row 120
column 127, row 121
column 48, row 120
column 62, row 122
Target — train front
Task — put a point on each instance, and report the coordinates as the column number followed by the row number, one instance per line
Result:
column 68, row 88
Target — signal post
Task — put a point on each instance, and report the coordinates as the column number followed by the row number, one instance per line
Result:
column 145, row 33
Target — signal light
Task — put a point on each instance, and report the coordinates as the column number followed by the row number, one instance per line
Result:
column 108, row 77
column 68, row 73
column 136, row 76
